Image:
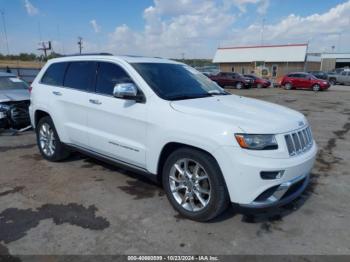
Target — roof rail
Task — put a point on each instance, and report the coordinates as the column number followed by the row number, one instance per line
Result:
column 88, row 54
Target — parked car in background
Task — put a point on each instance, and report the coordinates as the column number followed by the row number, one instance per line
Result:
column 236, row 80
column 302, row 80
column 209, row 148
column 259, row 82
column 14, row 102
column 343, row 78
column 319, row 74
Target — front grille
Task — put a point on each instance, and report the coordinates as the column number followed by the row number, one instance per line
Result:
column 299, row 141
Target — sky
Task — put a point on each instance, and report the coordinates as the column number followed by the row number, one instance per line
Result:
column 173, row 28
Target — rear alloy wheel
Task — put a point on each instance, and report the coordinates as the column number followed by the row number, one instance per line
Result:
column 288, row 86
column 239, row 85
column 316, row 88
column 50, row 146
column 194, row 184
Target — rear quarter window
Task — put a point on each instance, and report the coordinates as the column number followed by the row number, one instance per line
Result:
column 54, row 74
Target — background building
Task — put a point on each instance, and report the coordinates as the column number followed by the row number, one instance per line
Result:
column 332, row 61
column 268, row 61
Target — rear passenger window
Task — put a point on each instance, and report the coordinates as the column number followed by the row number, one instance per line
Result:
column 108, row 76
column 54, row 74
column 80, row 75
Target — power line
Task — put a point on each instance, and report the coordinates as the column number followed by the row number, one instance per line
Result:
column 5, row 31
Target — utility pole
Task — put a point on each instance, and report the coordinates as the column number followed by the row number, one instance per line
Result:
column 183, row 56
column 45, row 46
column 5, row 31
column 80, row 44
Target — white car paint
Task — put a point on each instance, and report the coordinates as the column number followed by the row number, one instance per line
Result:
column 136, row 133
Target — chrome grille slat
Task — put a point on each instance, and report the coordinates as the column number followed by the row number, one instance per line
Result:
column 299, row 141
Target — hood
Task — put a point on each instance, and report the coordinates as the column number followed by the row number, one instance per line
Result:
column 14, row 95
column 251, row 115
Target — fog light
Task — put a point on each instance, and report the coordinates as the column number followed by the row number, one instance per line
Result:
column 269, row 175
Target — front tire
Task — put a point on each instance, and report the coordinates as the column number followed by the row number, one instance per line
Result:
column 316, row 88
column 194, row 184
column 50, row 146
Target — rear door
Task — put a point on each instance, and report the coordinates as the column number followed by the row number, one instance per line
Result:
column 304, row 81
column 117, row 127
column 71, row 101
column 294, row 79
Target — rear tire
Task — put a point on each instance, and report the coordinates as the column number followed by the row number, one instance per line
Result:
column 239, row 85
column 50, row 146
column 194, row 184
column 288, row 86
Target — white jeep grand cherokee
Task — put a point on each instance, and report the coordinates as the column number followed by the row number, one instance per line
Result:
column 165, row 119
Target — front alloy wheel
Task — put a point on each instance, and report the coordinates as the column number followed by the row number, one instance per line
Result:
column 194, row 184
column 190, row 185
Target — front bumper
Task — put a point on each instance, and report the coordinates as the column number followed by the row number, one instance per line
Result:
column 282, row 194
column 246, row 187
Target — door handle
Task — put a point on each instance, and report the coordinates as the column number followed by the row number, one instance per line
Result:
column 57, row 93
column 95, row 101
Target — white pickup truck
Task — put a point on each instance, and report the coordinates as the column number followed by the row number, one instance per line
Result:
column 162, row 118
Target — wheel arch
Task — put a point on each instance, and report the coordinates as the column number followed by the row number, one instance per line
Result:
column 169, row 148
column 38, row 115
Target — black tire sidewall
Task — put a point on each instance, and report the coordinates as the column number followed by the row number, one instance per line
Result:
column 219, row 197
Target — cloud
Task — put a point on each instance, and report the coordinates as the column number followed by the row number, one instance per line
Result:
column 320, row 30
column 95, row 26
column 261, row 5
column 190, row 27
column 30, row 8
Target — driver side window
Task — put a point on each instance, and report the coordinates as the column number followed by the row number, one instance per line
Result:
column 109, row 75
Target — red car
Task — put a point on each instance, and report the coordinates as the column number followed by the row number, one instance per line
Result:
column 259, row 82
column 304, row 81
column 232, row 79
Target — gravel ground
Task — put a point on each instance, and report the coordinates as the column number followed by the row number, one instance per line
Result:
column 83, row 206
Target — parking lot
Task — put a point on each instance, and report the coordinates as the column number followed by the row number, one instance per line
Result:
column 83, row 206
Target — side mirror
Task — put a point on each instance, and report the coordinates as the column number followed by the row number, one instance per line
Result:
column 127, row 91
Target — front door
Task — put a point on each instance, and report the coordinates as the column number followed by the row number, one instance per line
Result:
column 117, row 127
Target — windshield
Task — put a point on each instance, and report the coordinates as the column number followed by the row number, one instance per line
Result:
column 177, row 81
column 12, row 83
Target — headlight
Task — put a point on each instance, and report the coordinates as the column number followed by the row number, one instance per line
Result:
column 257, row 142
column 4, row 107
column 3, row 110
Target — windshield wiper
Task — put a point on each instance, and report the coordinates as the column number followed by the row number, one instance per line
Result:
column 225, row 93
column 189, row 96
